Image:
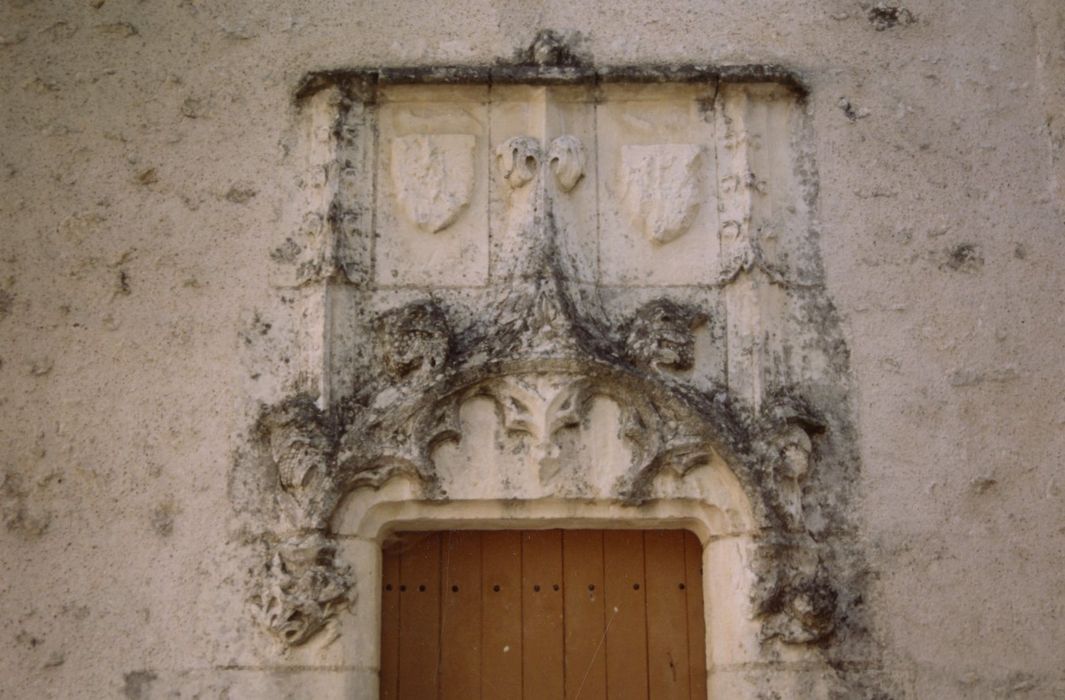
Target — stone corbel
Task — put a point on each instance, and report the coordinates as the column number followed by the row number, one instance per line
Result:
column 303, row 586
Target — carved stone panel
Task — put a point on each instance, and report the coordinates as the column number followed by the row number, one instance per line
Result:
column 552, row 128
column 431, row 178
column 660, row 184
column 658, row 219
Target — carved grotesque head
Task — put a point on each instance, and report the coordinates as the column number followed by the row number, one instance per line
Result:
column 662, row 335
column 411, row 338
column 790, row 429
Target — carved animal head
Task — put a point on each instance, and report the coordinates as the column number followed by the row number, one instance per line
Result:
column 413, row 337
column 661, row 335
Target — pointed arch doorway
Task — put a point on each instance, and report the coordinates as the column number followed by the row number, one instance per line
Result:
column 534, row 614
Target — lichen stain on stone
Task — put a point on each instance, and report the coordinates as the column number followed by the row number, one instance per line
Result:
column 137, row 684
column 965, row 257
column 162, row 518
column 884, row 16
column 7, row 302
column 19, row 511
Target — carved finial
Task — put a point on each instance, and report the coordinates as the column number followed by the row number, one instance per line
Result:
column 551, row 49
column 547, row 48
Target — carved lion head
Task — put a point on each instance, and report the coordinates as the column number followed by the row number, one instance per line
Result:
column 412, row 337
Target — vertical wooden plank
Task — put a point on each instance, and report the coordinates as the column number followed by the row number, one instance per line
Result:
column 667, row 616
column 582, row 586
column 419, row 617
column 501, row 643
column 626, row 615
column 389, row 674
column 542, row 612
column 693, row 566
column 460, row 615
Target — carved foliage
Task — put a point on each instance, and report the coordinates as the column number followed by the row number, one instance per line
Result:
column 520, row 158
column 303, row 586
column 795, row 596
column 541, row 359
column 566, row 157
column 536, row 406
column 667, row 425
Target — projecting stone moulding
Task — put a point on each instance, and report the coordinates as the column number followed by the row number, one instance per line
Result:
column 589, row 293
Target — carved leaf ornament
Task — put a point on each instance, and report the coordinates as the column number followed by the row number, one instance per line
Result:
column 521, row 157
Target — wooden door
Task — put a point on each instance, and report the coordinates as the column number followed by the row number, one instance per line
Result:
column 543, row 614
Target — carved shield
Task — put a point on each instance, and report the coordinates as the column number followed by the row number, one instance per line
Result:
column 433, row 177
column 661, row 188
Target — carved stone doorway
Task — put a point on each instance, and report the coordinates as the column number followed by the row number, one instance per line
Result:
column 513, row 614
column 562, row 296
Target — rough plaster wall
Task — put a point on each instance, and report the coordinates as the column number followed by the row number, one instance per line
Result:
column 143, row 162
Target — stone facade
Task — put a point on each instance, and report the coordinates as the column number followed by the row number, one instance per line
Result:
column 780, row 275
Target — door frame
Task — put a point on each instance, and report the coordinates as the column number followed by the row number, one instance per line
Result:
column 368, row 518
